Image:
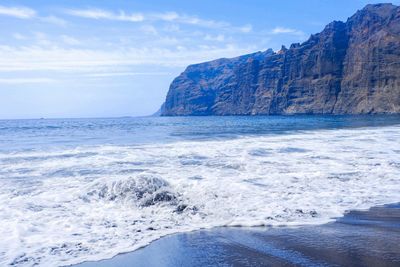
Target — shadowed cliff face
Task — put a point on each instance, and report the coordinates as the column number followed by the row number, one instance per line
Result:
column 350, row 67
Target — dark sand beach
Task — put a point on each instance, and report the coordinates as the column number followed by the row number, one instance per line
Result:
column 360, row 238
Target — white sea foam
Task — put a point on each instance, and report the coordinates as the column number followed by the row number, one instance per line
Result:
column 65, row 207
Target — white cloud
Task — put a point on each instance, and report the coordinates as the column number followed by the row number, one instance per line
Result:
column 18, row 36
column 193, row 20
column 171, row 28
column 149, row 29
column 11, row 81
column 165, row 16
column 216, row 38
column 42, row 39
column 18, row 12
column 119, row 74
column 73, row 59
column 29, row 13
column 70, row 40
column 166, row 40
column 54, row 20
column 284, row 30
column 104, row 14
column 246, row 28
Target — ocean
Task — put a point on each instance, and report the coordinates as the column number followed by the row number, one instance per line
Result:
column 73, row 190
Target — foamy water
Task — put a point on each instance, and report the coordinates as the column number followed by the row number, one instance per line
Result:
column 63, row 206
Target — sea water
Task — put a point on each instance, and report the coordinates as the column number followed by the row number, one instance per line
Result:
column 73, row 190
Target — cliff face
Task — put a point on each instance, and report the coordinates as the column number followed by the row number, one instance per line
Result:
column 350, row 67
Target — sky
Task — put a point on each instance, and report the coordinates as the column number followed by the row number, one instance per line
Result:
column 97, row 58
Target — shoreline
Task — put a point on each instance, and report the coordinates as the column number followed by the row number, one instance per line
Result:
column 359, row 238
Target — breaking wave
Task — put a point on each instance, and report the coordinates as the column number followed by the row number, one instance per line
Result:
column 91, row 203
column 143, row 191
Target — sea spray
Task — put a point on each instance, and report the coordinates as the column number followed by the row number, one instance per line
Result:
column 64, row 206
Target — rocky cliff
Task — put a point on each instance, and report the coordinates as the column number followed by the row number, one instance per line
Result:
column 351, row 67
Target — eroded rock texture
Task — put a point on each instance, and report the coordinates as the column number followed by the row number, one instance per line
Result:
column 350, row 67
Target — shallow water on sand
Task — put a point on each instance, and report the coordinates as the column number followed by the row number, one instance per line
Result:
column 367, row 238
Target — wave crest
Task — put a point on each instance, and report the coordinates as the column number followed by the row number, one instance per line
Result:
column 142, row 190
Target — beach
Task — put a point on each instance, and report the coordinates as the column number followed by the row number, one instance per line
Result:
column 196, row 191
column 360, row 238
column 202, row 133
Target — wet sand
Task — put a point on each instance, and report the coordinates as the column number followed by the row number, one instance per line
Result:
column 360, row 238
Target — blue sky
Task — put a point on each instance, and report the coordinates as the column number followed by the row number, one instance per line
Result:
column 100, row 58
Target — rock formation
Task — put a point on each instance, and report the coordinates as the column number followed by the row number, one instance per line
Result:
column 351, row 67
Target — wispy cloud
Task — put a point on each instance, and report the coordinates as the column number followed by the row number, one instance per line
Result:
column 172, row 39
column 18, row 36
column 13, row 81
column 42, row 39
column 149, row 29
column 284, row 30
column 18, row 12
column 246, row 28
column 171, row 16
column 166, row 16
column 120, row 74
column 61, row 59
column 186, row 19
column 216, row 38
column 54, row 20
column 29, row 13
column 104, row 14
column 70, row 40
column 172, row 28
